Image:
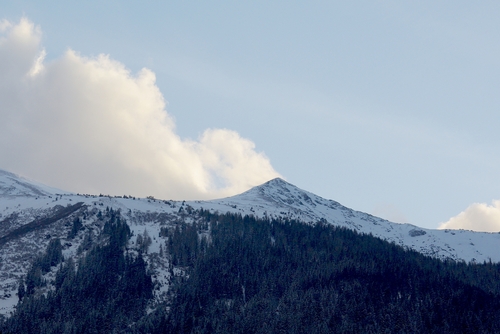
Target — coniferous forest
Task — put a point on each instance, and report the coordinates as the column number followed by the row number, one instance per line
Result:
column 245, row 275
column 108, row 292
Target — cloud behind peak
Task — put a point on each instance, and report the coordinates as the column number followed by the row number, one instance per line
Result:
column 477, row 217
column 90, row 125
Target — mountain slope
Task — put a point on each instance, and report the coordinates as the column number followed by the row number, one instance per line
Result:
column 278, row 198
column 76, row 219
column 12, row 185
column 234, row 274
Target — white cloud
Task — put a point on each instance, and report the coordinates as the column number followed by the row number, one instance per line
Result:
column 89, row 125
column 477, row 217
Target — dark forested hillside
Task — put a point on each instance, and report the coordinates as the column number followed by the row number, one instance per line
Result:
column 287, row 277
column 107, row 293
column 243, row 275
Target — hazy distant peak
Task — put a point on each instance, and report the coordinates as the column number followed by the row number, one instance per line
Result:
column 13, row 185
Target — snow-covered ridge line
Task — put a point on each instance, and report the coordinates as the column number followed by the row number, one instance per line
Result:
column 23, row 202
column 275, row 198
column 12, row 185
column 278, row 198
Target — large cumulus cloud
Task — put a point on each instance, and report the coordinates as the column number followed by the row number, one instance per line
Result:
column 477, row 217
column 89, row 125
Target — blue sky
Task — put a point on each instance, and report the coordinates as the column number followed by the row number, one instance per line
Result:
column 387, row 107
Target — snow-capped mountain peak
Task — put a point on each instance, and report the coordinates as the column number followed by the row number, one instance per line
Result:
column 280, row 192
column 276, row 198
column 280, row 199
column 31, row 214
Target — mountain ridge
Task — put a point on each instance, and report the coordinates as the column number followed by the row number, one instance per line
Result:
column 23, row 202
column 275, row 198
column 290, row 201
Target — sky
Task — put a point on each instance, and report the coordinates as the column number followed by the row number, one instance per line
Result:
column 387, row 107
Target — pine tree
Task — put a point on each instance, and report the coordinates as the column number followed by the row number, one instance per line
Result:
column 21, row 290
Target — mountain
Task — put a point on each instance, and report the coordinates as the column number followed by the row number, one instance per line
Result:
column 12, row 185
column 278, row 198
column 31, row 215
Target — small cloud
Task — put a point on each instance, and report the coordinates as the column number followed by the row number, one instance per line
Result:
column 90, row 125
column 389, row 212
column 477, row 217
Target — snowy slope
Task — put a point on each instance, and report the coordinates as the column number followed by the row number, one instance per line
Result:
column 277, row 198
column 12, row 185
column 23, row 202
